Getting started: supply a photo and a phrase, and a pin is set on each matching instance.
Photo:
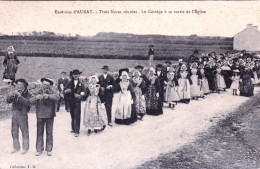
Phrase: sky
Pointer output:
(221, 18)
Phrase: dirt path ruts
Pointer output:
(233, 144)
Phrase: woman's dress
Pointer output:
(171, 92)
(246, 86)
(184, 89)
(220, 79)
(227, 73)
(204, 82)
(125, 109)
(210, 75)
(139, 102)
(235, 83)
(195, 87)
(11, 66)
(154, 104)
(95, 116)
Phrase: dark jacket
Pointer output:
(64, 81)
(106, 82)
(75, 90)
(45, 108)
(21, 104)
(150, 52)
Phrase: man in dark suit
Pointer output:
(62, 82)
(106, 82)
(45, 112)
(76, 92)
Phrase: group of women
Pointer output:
(145, 90)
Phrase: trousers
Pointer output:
(75, 113)
(22, 123)
(41, 122)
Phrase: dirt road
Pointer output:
(121, 146)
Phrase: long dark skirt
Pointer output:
(246, 87)
(130, 120)
(227, 77)
(154, 104)
(212, 82)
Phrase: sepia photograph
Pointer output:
(130, 85)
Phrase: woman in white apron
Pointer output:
(125, 110)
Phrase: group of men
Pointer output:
(47, 103)
(44, 102)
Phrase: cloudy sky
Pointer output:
(221, 18)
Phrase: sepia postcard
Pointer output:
(129, 84)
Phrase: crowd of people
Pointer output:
(130, 94)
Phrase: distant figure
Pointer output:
(11, 65)
(151, 55)
(62, 82)
(45, 112)
(20, 107)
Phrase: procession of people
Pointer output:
(130, 94)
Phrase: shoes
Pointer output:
(110, 124)
(14, 151)
(38, 153)
(24, 151)
(76, 134)
(49, 153)
(72, 131)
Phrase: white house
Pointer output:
(248, 39)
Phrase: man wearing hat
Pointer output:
(62, 82)
(45, 101)
(151, 55)
(106, 81)
(76, 91)
(20, 107)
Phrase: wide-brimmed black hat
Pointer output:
(76, 72)
(22, 81)
(151, 45)
(105, 67)
(63, 72)
(139, 67)
(159, 66)
(47, 80)
(123, 70)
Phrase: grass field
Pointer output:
(48, 58)
(33, 68)
(103, 48)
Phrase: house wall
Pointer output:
(248, 39)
